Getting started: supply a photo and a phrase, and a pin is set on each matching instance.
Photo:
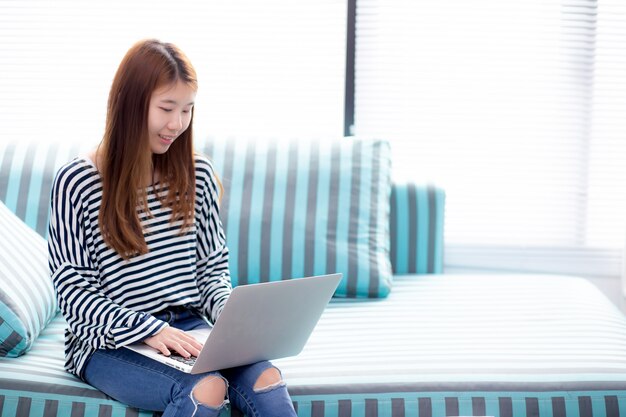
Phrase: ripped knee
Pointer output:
(269, 379)
(210, 391)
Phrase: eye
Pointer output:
(165, 109)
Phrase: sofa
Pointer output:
(400, 337)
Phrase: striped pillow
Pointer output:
(27, 170)
(27, 301)
(416, 219)
(302, 208)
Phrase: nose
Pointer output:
(175, 123)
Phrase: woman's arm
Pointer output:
(90, 314)
(213, 274)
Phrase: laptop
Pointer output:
(263, 321)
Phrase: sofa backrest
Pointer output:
(415, 211)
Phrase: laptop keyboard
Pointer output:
(189, 361)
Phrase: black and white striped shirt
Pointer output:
(107, 301)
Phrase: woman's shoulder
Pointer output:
(79, 166)
(204, 167)
(201, 160)
(76, 174)
(207, 180)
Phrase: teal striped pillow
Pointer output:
(27, 170)
(300, 208)
(27, 301)
(416, 219)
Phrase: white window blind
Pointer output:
(265, 68)
(514, 107)
(517, 109)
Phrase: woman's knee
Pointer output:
(210, 391)
(269, 378)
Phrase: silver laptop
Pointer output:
(259, 322)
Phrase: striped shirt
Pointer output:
(107, 301)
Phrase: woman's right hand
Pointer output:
(171, 338)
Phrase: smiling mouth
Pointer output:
(168, 138)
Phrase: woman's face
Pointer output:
(169, 115)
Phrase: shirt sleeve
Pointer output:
(212, 252)
(90, 315)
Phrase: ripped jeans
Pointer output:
(141, 382)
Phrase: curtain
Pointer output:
(265, 68)
(517, 109)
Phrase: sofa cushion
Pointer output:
(27, 301)
(27, 169)
(416, 218)
(416, 228)
(299, 208)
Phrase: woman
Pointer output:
(137, 251)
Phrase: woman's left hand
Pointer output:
(176, 339)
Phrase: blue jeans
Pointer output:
(140, 382)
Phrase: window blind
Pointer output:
(265, 68)
(516, 109)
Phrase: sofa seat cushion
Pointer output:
(36, 384)
(501, 345)
(27, 301)
(299, 208)
(496, 345)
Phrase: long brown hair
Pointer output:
(125, 149)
